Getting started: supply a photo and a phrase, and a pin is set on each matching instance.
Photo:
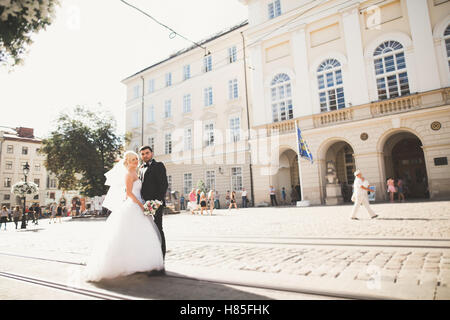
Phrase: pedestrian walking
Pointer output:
(16, 215)
(182, 200)
(233, 201)
(211, 199)
(401, 194)
(59, 212)
(391, 188)
(37, 214)
(53, 208)
(283, 195)
(192, 201)
(360, 197)
(227, 199)
(203, 204)
(3, 216)
(273, 197)
(293, 196)
(244, 198)
(216, 201)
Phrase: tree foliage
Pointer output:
(82, 148)
(19, 19)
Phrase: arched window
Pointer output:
(447, 43)
(331, 86)
(281, 98)
(390, 70)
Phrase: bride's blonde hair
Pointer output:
(127, 156)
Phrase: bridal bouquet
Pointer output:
(151, 206)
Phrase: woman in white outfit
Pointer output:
(360, 188)
(130, 241)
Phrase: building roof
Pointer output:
(182, 51)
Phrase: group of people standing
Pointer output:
(199, 201)
(394, 187)
(15, 215)
(295, 195)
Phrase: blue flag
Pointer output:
(303, 149)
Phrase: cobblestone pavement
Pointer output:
(407, 246)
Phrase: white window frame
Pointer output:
(281, 98)
(210, 179)
(37, 167)
(208, 97)
(330, 86)
(167, 109)
(235, 179)
(188, 138)
(207, 63)
(208, 133)
(53, 183)
(168, 143)
(397, 52)
(151, 85)
(151, 114)
(232, 54)
(187, 183)
(233, 89)
(187, 103)
(447, 44)
(136, 91)
(9, 165)
(274, 8)
(7, 182)
(168, 79)
(235, 131)
(169, 183)
(25, 151)
(186, 72)
(10, 149)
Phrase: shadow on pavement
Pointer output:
(169, 287)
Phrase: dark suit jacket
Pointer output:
(154, 185)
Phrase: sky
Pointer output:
(92, 45)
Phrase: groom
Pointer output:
(154, 187)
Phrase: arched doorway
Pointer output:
(404, 158)
(287, 176)
(337, 173)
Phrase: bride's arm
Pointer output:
(129, 184)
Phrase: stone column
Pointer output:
(422, 36)
(356, 84)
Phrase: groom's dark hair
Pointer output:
(145, 147)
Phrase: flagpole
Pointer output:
(301, 203)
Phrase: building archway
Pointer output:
(287, 176)
(404, 158)
(338, 159)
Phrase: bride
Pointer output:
(130, 242)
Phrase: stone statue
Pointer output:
(331, 173)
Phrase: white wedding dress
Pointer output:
(130, 243)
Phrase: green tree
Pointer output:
(19, 19)
(82, 148)
(202, 186)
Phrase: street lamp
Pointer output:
(26, 171)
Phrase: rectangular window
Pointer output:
(136, 91)
(7, 197)
(151, 143)
(37, 181)
(187, 183)
(207, 63)
(274, 8)
(236, 179)
(186, 72)
(168, 143)
(169, 184)
(10, 149)
(235, 128)
(210, 180)
(151, 85)
(7, 183)
(151, 114)
(208, 96)
(233, 92)
(9, 165)
(168, 79)
(168, 109)
(37, 167)
(52, 195)
(209, 134)
(53, 183)
(187, 103)
(232, 54)
(187, 139)
(24, 150)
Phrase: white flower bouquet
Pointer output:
(151, 206)
(24, 188)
